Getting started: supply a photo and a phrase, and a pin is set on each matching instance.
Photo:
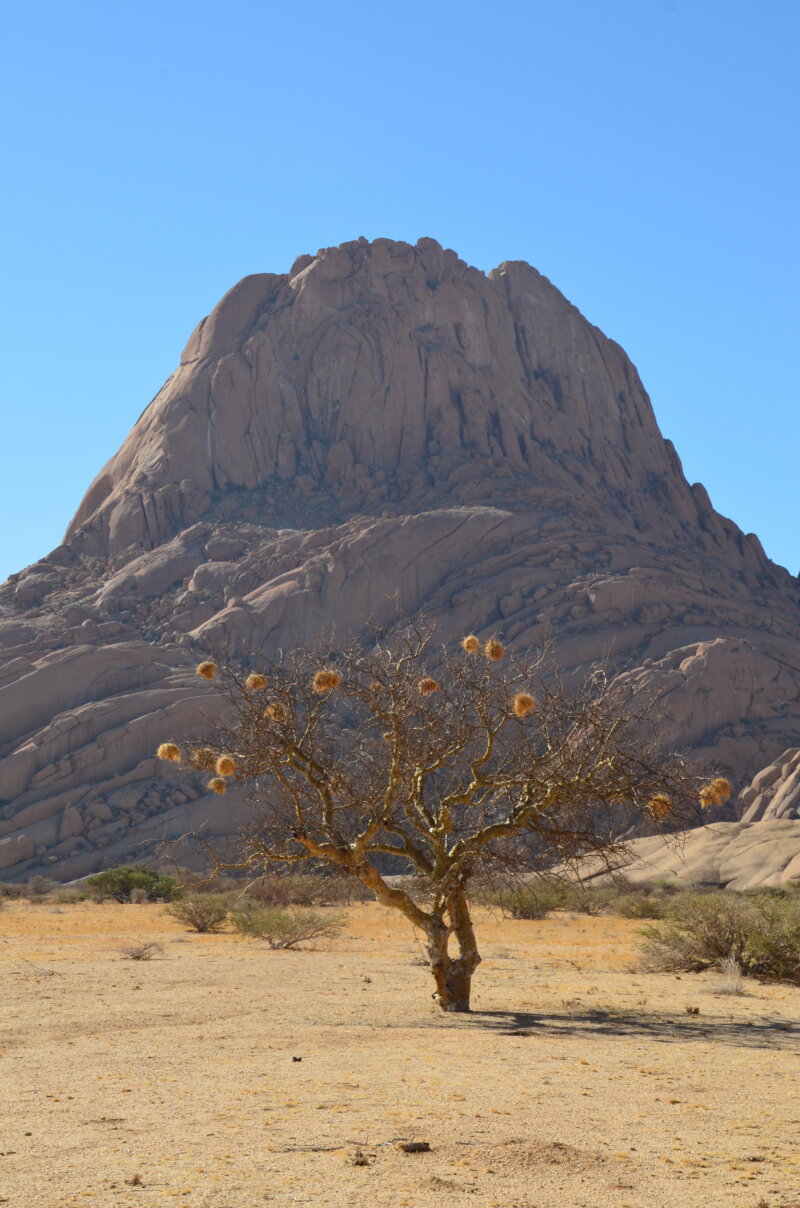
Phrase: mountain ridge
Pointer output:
(381, 421)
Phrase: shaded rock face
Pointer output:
(774, 792)
(381, 426)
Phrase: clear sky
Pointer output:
(642, 154)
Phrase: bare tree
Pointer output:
(451, 765)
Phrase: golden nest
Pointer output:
(218, 784)
(207, 670)
(470, 643)
(427, 685)
(325, 681)
(255, 682)
(203, 758)
(225, 765)
(715, 793)
(494, 649)
(659, 806)
(523, 704)
(168, 750)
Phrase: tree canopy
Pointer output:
(452, 765)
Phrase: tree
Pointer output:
(120, 883)
(451, 765)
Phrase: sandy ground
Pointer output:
(574, 1084)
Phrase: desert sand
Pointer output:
(575, 1083)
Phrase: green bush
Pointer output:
(200, 911)
(637, 905)
(533, 901)
(284, 928)
(119, 884)
(760, 932)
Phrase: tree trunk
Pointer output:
(453, 976)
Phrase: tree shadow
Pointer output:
(662, 1026)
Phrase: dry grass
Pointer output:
(574, 1082)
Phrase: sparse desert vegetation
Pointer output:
(285, 928)
(759, 932)
(202, 912)
(226, 1074)
(132, 883)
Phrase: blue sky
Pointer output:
(641, 153)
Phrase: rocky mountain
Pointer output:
(381, 424)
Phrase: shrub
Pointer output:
(637, 905)
(119, 884)
(665, 885)
(10, 890)
(588, 899)
(39, 887)
(761, 933)
(275, 890)
(142, 952)
(526, 901)
(69, 895)
(306, 889)
(284, 928)
(200, 912)
(731, 981)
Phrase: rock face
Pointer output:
(733, 855)
(381, 425)
(775, 791)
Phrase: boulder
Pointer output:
(774, 791)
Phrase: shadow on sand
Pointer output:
(762, 1032)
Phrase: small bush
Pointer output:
(69, 895)
(665, 885)
(284, 928)
(142, 952)
(588, 899)
(761, 933)
(10, 890)
(201, 912)
(525, 902)
(732, 980)
(637, 906)
(120, 883)
(39, 887)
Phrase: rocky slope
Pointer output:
(733, 855)
(382, 423)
